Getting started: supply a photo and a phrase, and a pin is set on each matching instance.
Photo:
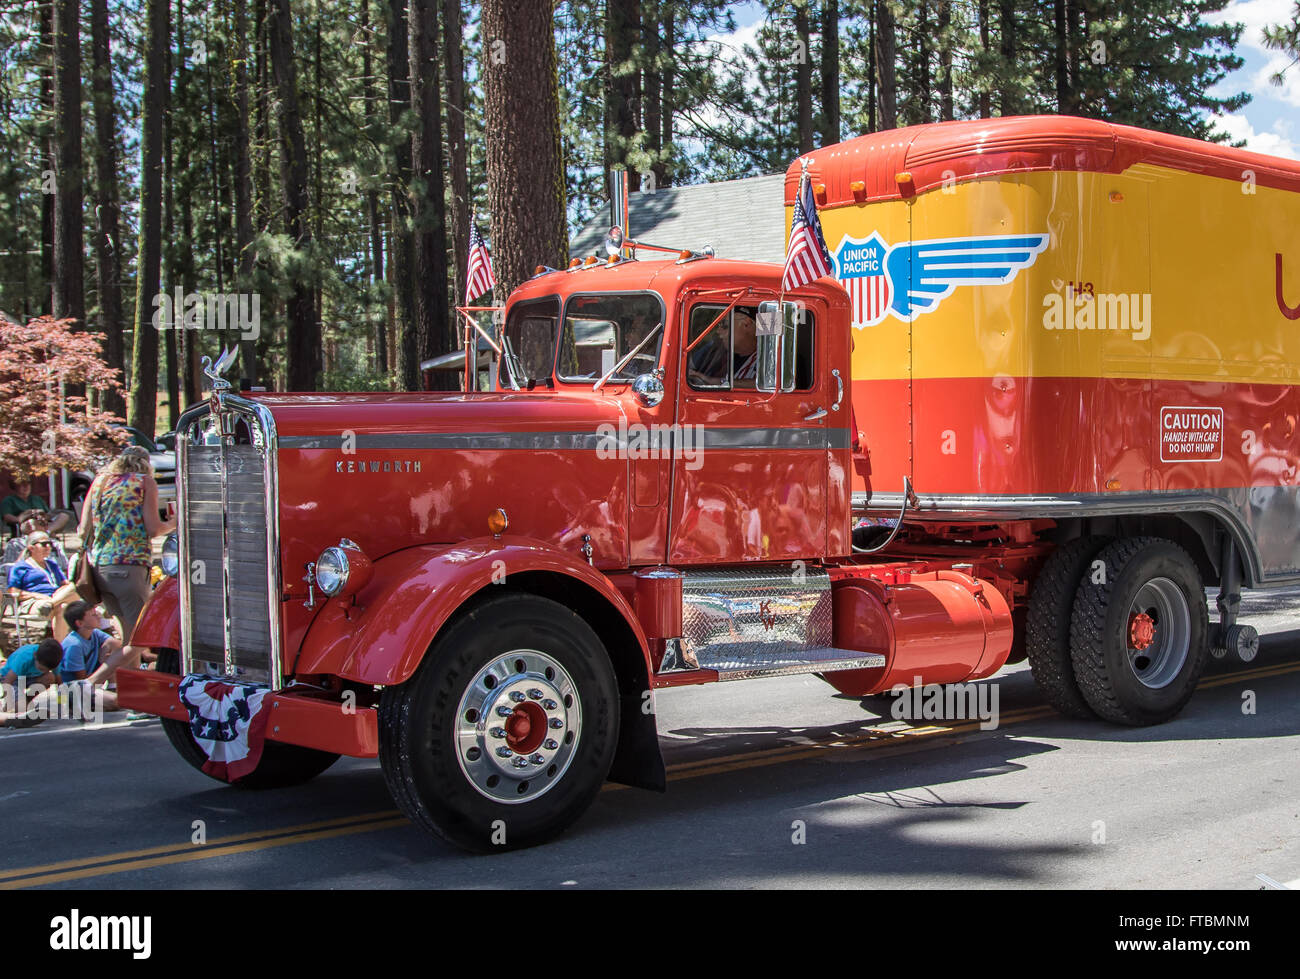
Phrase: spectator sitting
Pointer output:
(23, 505)
(34, 666)
(40, 584)
(90, 653)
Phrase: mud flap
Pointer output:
(638, 762)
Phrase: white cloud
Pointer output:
(1256, 15)
(1289, 90)
(1277, 141)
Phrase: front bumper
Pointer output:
(294, 719)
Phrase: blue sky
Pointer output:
(1270, 122)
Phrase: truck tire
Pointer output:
(506, 731)
(1139, 639)
(1047, 626)
(280, 766)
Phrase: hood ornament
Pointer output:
(213, 372)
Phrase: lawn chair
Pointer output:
(10, 600)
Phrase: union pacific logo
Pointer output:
(911, 279)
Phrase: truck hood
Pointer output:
(391, 471)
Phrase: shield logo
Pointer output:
(860, 267)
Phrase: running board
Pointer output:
(822, 659)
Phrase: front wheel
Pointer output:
(506, 732)
(1139, 635)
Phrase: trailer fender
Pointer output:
(159, 625)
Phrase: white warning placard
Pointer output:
(1191, 434)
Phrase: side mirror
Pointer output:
(775, 335)
(649, 389)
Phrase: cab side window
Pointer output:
(727, 358)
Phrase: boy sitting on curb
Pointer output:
(35, 666)
(90, 653)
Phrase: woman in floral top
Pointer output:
(122, 511)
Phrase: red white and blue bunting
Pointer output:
(228, 723)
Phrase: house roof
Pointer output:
(739, 218)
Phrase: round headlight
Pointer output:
(171, 556)
(332, 570)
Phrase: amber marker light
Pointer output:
(498, 522)
(591, 260)
(1116, 197)
(859, 189)
(573, 264)
(539, 270)
(906, 185)
(1112, 484)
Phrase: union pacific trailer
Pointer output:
(1046, 398)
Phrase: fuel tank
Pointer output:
(932, 627)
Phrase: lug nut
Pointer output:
(504, 752)
(550, 704)
(551, 744)
(520, 762)
(498, 732)
(539, 759)
(556, 722)
(534, 694)
(504, 711)
(516, 696)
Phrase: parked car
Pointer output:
(164, 471)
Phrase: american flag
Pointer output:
(478, 276)
(806, 258)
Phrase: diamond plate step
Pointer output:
(819, 659)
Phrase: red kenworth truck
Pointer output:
(1048, 396)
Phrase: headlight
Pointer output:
(171, 556)
(332, 571)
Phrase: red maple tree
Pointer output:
(44, 422)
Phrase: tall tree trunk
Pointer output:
(243, 185)
(945, 61)
(108, 241)
(653, 90)
(144, 357)
(453, 60)
(431, 333)
(1077, 50)
(623, 25)
(304, 346)
(923, 60)
(830, 72)
(1060, 56)
(872, 84)
(803, 77)
(379, 343)
(49, 54)
(182, 266)
(69, 263)
(174, 342)
(886, 69)
(1008, 100)
(985, 100)
(401, 246)
(667, 101)
(525, 172)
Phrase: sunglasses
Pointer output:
(40, 543)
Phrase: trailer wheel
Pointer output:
(505, 734)
(280, 766)
(1140, 637)
(1047, 626)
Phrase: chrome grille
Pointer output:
(229, 586)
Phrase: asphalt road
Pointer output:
(772, 783)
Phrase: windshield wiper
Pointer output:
(630, 354)
(512, 362)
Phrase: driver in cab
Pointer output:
(712, 365)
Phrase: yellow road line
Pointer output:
(879, 740)
(187, 845)
(202, 853)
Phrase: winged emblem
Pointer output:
(910, 279)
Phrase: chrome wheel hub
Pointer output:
(517, 726)
(1159, 633)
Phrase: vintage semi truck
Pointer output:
(1048, 397)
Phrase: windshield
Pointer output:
(599, 331)
(530, 341)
